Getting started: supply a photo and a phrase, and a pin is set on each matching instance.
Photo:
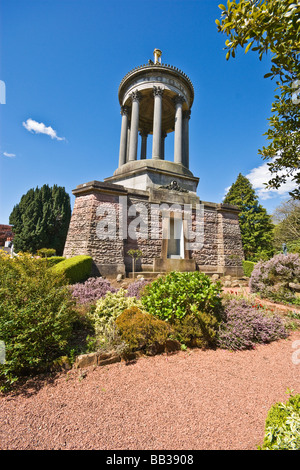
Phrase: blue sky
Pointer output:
(62, 62)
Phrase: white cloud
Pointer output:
(260, 175)
(10, 155)
(40, 128)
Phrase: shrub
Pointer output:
(244, 325)
(294, 246)
(282, 428)
(36, 316)
(91, 290)
(53, 260)
(74, 269)
(271, 278)
(136, 288)
(248, 267)
(46, 252)
(140, 330)
(174, 296)
(197, 330)
(107, 310)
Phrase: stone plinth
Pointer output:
(109, 220)
(144, 174)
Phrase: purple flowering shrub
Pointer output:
(91, 290)
(244, 325)
(135, 289)
(271, 278)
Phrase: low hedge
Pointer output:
(248, 267)
(53, 260)
(46, 252)
(75, 269)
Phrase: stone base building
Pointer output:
(151, 204)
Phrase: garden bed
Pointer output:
(194, 399)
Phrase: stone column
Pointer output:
(144, 136)
(157, 117)
(123, 140)
(128, 141)
(135, 97)
(185, 132)
(178, 129)
(162, 145)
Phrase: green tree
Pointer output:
(287, 225)
(272, 26)
(41, 219)
(255, 223)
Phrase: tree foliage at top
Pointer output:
(255, 223)
(272, 26)
(41, 219)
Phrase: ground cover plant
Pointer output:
(104, 315)
(36, 316)
(245, 324)
(91, 290)
(272, 279)
(282, 427)
(136, 288)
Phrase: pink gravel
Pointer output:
(191, 400)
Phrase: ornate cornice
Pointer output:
(151, 67)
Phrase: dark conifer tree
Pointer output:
(41, 219)
(255, 223)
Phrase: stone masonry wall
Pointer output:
(97, 214)
(144, 240)
(208, 254)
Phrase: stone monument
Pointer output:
(150, 203)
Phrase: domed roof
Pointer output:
(158, 72)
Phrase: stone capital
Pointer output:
(178, 99)
(186, 114)
(136, 96)
(157, 90)
(124, 110)
(144, 134)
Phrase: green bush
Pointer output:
(46, 252)
(75, 269)
(178, 294)
(294, 246)
(282, 428)
(107, 310)
(36, 316)
(140, 330)
(248, 267)
(199, 329)
(53, 260)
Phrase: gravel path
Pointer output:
(191, 400)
